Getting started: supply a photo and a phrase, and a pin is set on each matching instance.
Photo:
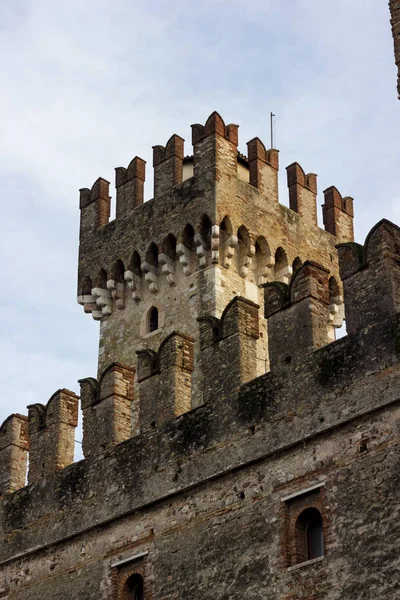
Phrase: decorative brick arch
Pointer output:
(312, 499)
(121, 574)
(129, 594)
(309, 533)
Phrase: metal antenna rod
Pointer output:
(272, 129)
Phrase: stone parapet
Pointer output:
(14, 446)
(263, 418)
(51, 429)
(107, 408)
(165, 380)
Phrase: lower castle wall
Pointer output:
(227, 538)
(214, 479)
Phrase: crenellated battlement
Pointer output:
(95, 206)
(129, 184)
(302, 192)
(165, 380)
(14, 446)
(214, 152)
(142, 448)
(168, 165)
(215, 229)
(370, 275)
(200, 290)
(338, 214)
(107, 408)
(263, 167)
(51, 429)
(232, 446)
(298, 316)
(215, 125)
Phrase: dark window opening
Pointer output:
(205, 231)
(315, 542)
(152, 255)
(188, 237)
(153, 319)
(309, 535)
(296, 264)
(134, 588)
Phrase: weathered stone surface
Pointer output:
(238, 231)
(196, 485)
(395, 21)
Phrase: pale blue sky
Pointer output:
(88, 85)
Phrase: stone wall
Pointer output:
(205, 504)
(227, 537)
(395, 22)
(199, 242)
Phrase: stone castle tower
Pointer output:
(231, 447)
(214, 230)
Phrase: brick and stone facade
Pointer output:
(395, 22)
(225, 427)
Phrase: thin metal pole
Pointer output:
(272, 129)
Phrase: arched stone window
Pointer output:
(150, 267)
(283, 270)
(202, 240)
(116, 283)
(262, 260)
(119, 271)
(168, 246)
(135, 264)
(245, 251)
(133, 276)
(153, 319)
(227, 242)
(168, 257)
(186, 249)
(188, 237)
(152, 256)
(296, 264)
(336, 310)
(309, 535)
(205, 230)
(133, 588)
